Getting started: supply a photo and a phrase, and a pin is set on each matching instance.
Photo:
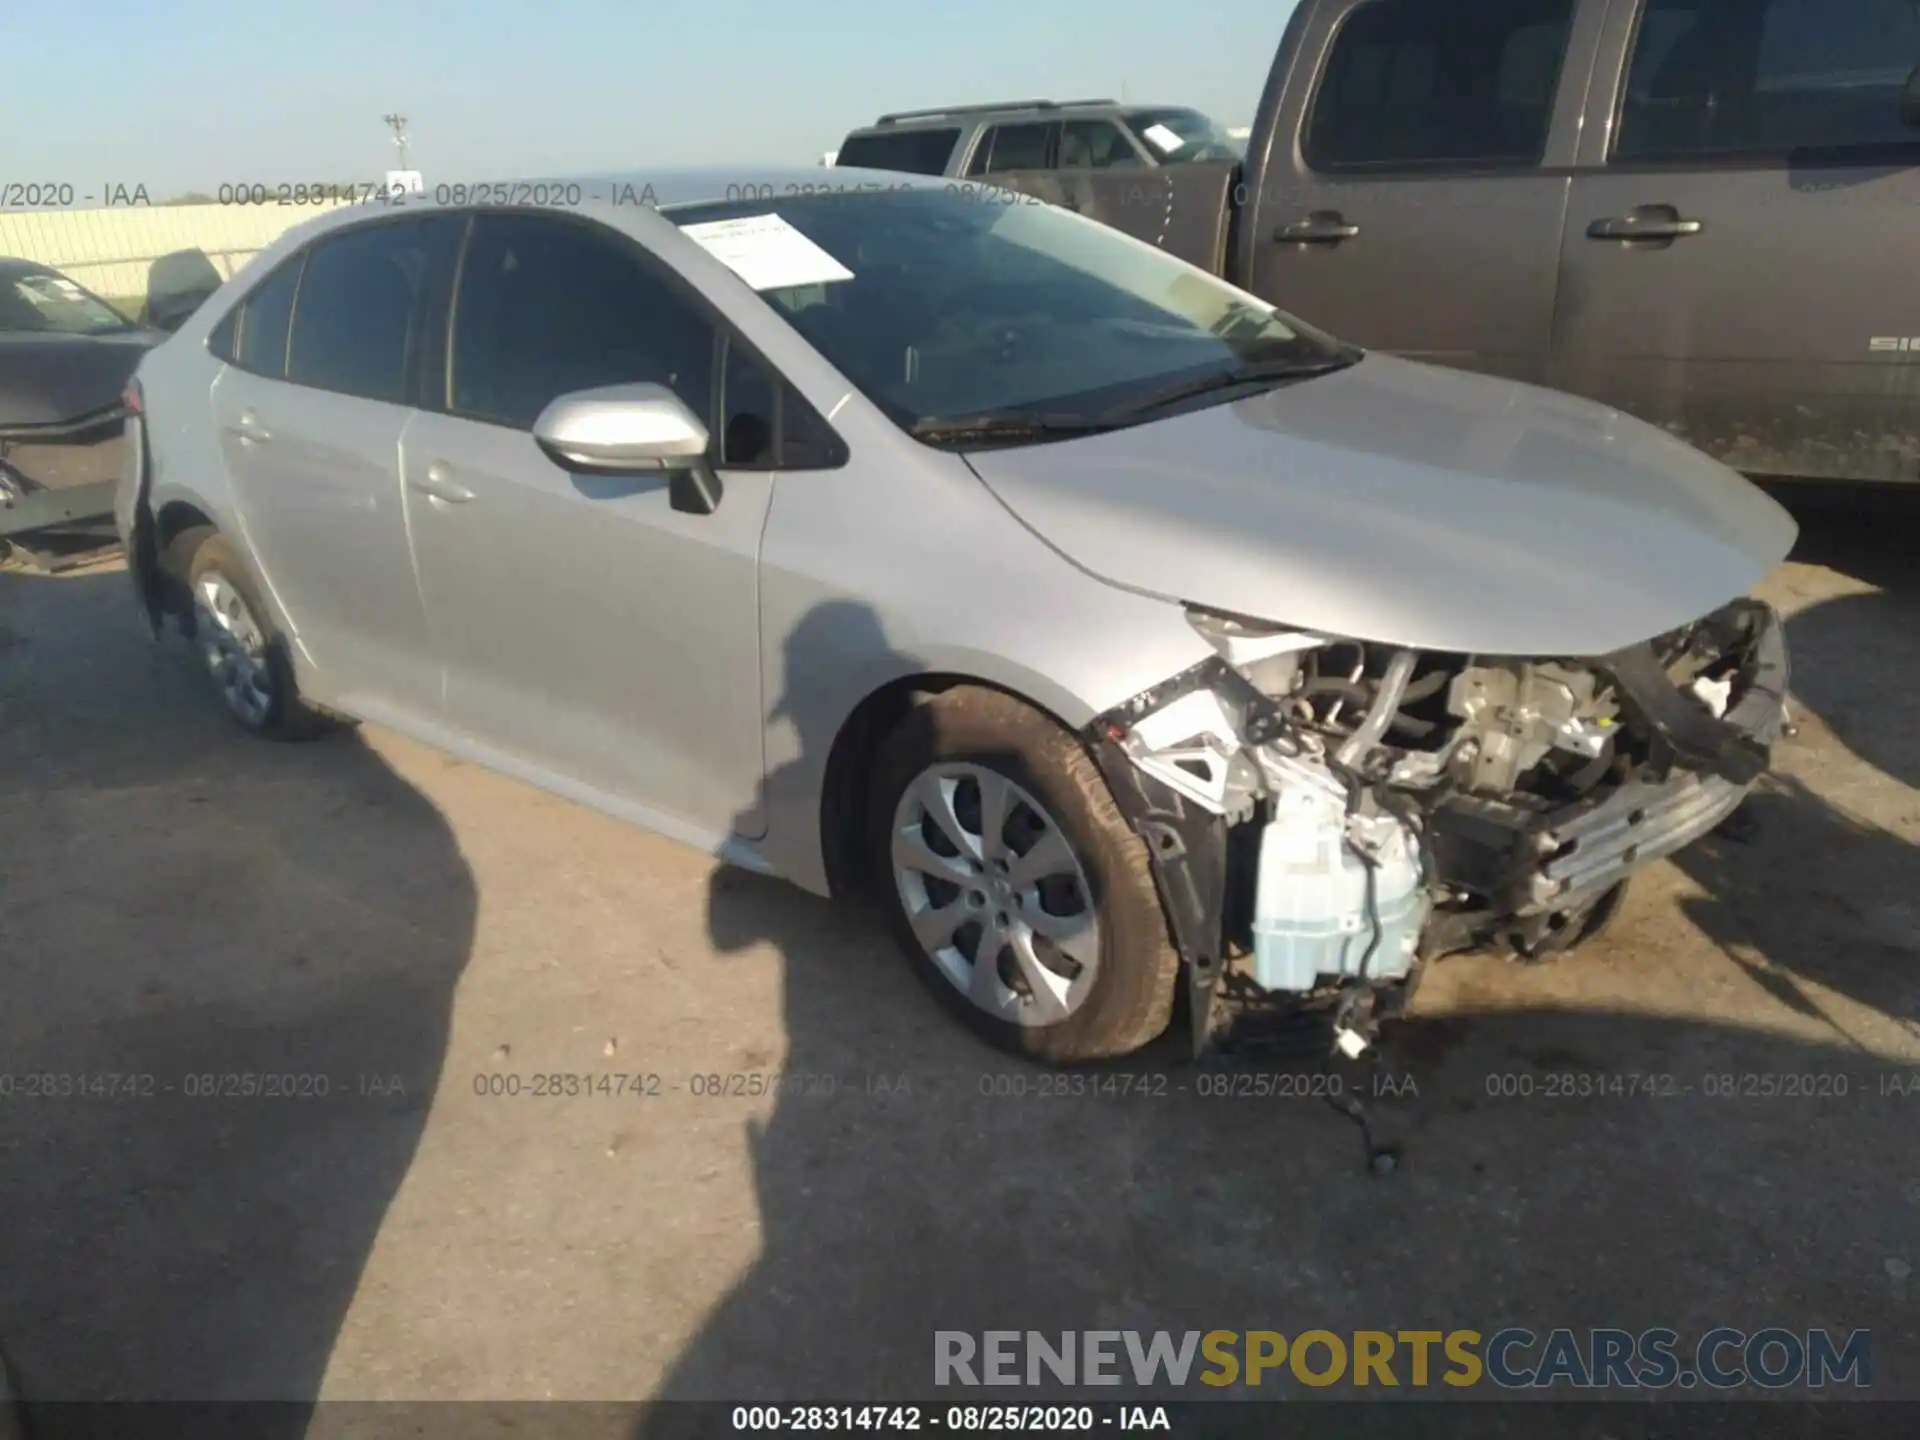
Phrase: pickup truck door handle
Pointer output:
(1650, 222)
(437, 484)
(1322, 227)
(249, 429)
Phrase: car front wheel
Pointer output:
(1017, 889)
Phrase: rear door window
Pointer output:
(355, 323)
(1413, 85)
(1767, 77)
(1014, 147)
(915, 152)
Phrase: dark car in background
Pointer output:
(65, 357)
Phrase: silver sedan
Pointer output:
(1114, 628)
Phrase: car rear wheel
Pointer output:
(245, 657)
(1016, 888)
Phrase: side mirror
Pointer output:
(632, 429)
(1910, 100)
(177, 285)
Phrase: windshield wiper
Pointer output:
(1011, 428)
(1267, 371)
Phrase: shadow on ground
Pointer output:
(167, 1231)
(1856, 657)
(1821, 897)
(1571, 1163)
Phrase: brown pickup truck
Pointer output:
(1703, 212)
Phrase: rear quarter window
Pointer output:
(221, 340)
(265, 319)
(915, 152)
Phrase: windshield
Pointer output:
(41, 301)
(1180, 137)
(964, 301)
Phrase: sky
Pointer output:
(192, 94)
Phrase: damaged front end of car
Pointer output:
(1326, 816)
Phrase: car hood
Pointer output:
(47, 379)
(1410, 505)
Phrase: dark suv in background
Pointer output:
(1026, 136)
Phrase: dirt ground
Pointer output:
(181, 903)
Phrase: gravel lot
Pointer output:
(178, 901)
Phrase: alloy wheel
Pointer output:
(995, 894)
(234, 645)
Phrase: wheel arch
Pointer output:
(844, 793)
(166, 574)
(176, 516)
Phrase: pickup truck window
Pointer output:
(1414, 85)
(1767, 77)
(915, 152)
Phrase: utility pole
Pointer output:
(398, 124)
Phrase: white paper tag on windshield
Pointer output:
(51, 285)
(1162, 139)
(766, 252)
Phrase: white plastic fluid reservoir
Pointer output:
(1311, 917)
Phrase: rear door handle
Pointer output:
(1322, 227)
(1653, 222)
(249, 429)
(437, 483)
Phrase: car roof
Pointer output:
(607, 193)
(11, 265)
(674, 189)
(1016, 110)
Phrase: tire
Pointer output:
(261, 697)
(1098, 992)
(1581, 931)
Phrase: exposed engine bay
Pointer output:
(1327, 816)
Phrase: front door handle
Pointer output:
(437, 483)
(1645, 222)
(1322, 227)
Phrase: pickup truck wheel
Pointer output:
(1019, 893)
(245, 657)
